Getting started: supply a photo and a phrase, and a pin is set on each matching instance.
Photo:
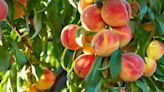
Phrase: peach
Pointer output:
(105, 42)
(32, 89)
(19, 12)
(116, 12)
(148, 26)
(83, 64)
(68, 36)
(155, 50)
(3, 10)
(46, 80)
(149, 67)
(87, 49)
(83, 4)
(124, 33)
(91, 19)
(132, 67)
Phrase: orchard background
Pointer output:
(33, 58)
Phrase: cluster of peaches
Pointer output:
(106, 29)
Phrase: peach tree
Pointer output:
(81, 45)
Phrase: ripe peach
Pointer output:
(132, 67)
(3, 10)
(155, 50)
(68, 37)
(105, 42)
(19, 12)
(148, 26)
(116, 12)
(46, 80)
(32, 89)
(83, 64)
(88, 50)
(83, 4)
(149, 67)
(124, 33)
(91, 19)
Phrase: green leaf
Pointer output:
(37, 24)
(159, 70)
(13, 76)
(132, 25)
(154, 5)
(151, 14)
(158, 78)
(4, 60)
(116, 89)
(141, 85)
(160, 20)
(10, 10)
(142, 8)
(37, 49)
(4, 79)
(37, 72)
(151, 84)
(115, 64)
(98, 86)
(133, 87)
(94, 75)
(21, 59)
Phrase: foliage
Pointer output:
(33, 41)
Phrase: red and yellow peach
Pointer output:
(124, 33)
(83, 64)
(155, 50)
(91, 18)
(149, 67)
(116, 13)
(46, 80)
(68, 36)
(132, 67)
(105, 42)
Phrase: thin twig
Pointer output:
(24, 40)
